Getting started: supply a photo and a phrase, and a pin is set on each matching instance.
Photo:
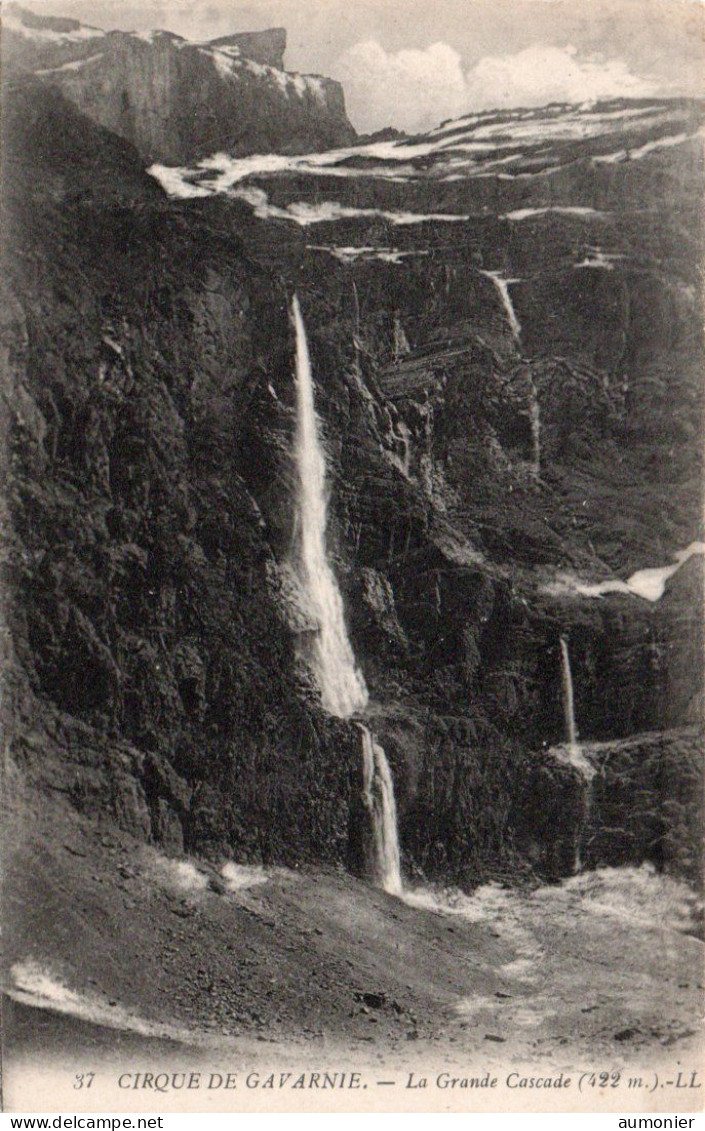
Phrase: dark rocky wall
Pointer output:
(177, 101)
(266, 47)
(149, 392)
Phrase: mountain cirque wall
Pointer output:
(149, 356)
(175, 100)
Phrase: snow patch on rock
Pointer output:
(178, 875)
(642, 150)
(35, 984)
(649, 584)
(77, 65)
(520, 214)
(239, 877)
(351, 254)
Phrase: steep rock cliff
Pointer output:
(176, 100)
(150, 387)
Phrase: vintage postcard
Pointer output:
(352, 582)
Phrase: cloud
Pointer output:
(416, 89)
(411, 89)
(541, 74)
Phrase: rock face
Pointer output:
(68, 155)
(175, 100)
(627, 801)
(480, 474)
(265, 47)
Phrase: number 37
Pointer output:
(84, 1080)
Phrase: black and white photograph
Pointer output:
(351, 461)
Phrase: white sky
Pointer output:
(411, 63)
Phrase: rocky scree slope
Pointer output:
(176, 100)
(149, 379)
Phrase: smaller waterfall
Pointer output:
(535, 421)
(357, 340)
(401, 342)
(576, 756)
(502, 286)
(384, 866)
(571, 731)
(400, 434)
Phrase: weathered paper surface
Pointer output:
(352, 393)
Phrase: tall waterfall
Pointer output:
(378, 797)
(342, 686)
(568, 697)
